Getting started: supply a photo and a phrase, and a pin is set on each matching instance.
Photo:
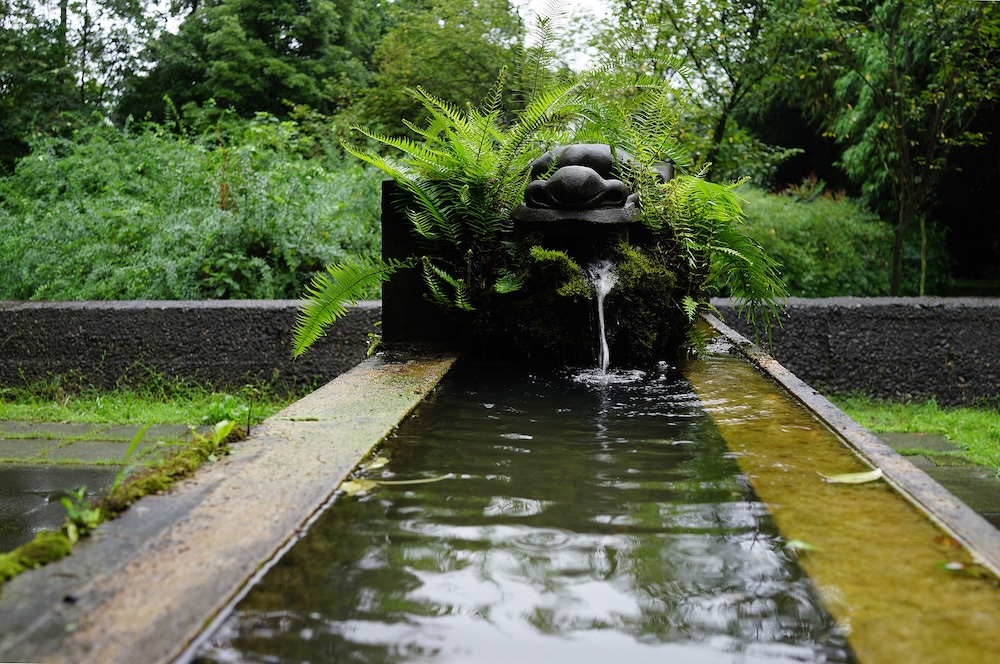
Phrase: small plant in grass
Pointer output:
(81, 516)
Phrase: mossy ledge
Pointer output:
(50, 546)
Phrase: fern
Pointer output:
(468, 167)
(437, 280)
(328, 294)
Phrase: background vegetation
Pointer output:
(191, 149)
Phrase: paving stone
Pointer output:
(60, 430)
(976, 486)
(127, 432)
(26, 450)
(922, 441)
(95, 451)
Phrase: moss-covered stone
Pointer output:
(647, 322)
(47, 547)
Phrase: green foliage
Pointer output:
(826, 246)
(830, 246)
(81, 516)
(733, 50)
(453, 47)
(70, 58)
(225, 407)
(256, 56)
(327, 294)
(142, 213)
(468, 168)
(904, 83)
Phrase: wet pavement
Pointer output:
(976, 486)
(41, 461)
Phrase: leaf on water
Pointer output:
(425, 480)
(357, 487)
(965, 569)
(800, 546)
(376, 463)
(854, 478)
(947, 542)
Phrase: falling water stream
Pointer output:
(603, 276)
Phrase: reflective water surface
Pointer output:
(582, 518)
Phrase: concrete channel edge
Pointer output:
(955, 517)
(146, 585)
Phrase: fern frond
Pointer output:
(328, 294)
(436, 280)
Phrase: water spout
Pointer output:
(602, 274)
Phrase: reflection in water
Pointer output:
(587, 519)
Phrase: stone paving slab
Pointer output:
(976, 486)
(94, 431)
(917, 441)
(103, 452)
(28, 451)
(51, 430)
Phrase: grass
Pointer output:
(155, 402)
(975, 430)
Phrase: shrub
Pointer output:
(140, 213)
(827, 246)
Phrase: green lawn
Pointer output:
(158, 402)
(975, 430)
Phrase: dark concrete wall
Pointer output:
(946, 348)
(222, 342)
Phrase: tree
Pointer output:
(256, 55)
(62, 56)
(735, 50)
(454, 47)
(908, 82)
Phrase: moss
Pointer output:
(47, 547)
(548, 320)
(647, 321)
(552, 266)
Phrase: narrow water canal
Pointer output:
(582, 520)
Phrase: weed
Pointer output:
(81, 516)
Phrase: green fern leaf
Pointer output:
(328, 294)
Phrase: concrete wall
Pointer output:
(946, 348)
(892, 347)
(224, 342)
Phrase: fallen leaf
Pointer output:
(376, 463)
(425, 480)
(357, 487)
(948, 542)
(799, 546)
(854, 478)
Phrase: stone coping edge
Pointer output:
(958, 519)
(145, 586)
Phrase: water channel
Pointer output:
(660, 516)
